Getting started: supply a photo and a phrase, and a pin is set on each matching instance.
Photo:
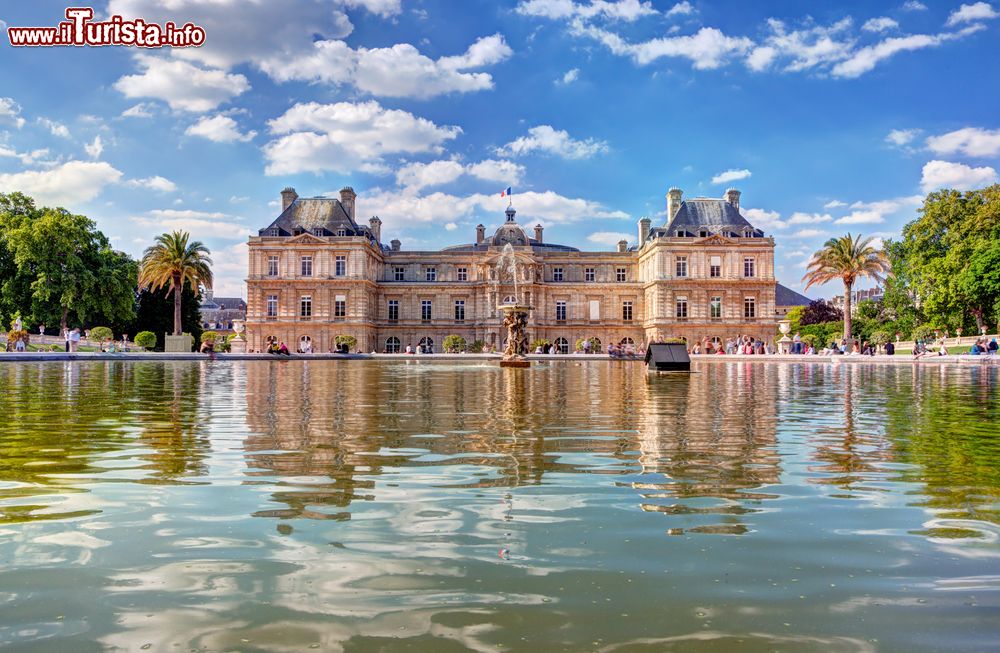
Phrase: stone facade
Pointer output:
(316, 273)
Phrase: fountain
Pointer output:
(515, 315)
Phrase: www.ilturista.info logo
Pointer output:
(80, 30)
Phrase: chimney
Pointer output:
(538, 233)
(644, 225)
(347, 197)
(376, 227)
(395, 244)
(287, 197)
(480, 234)
(674, 196)
(733, 197)
(622, 245)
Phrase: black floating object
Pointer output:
(667, 357)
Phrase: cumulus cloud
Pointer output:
(834, 204)
(497, 170)
(913, 5)
(229, 267)
(706, 49)
(94, 148)
(901, 137)
(219, 129)
(141, 110)
(972, 12)
(881, 24)
(416, 176)
(862, 217)
(730, 176)
(763, 219)
(10, 112)
(969, 141)
(55, 128)
(571, 76)
(809, 218)
(546, 139)
(943, 174)
(809, 233)
(67, 184)
(183, 86)
(29, 158)
(684, 8)
(346, 136)
(156, 182)
(608, 237)
(865, 59)
(623, 10)
(202, 223)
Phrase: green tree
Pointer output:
(454, 344)
(155, 308)
(348, 340)
(101, 334)
(146, 339)
(848, 259)
(173, 262)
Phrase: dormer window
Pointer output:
(318, 232)
(272, 232)
(748, 234)
(680, 233)
(341, 232)
(703, 233)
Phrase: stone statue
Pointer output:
(517, 341)
(507, 264)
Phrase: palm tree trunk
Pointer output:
(847, 313)
(177, 307)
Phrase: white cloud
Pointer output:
(834, 204)
(416, 176)
(970, 141)
(94, 148)
(862, 217)
(219, 129)
(545, 138)
(943, 174)
(55, 128)
(10, 112)
(881, 24)
(802, 49)
(344, 136)
(141, 110)
(763, 219)
(181, 85)
(809, 218)
(901, 137)
(624, 10)
(229, 268)
(30, 158)
(809, 233)
(200, 224)
(706, 49)
(397, 71)
(67, 184)
(156, 182)
(972, 12)
(865, 59)
(451, 226)
(608, 237)
(913, 5)
(731, 175)
(498, 170)
(571, 76)
(683, 8)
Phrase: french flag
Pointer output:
(505, 192)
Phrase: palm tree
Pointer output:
(173, 262)
(848, 259)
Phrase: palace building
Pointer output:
(316, 273)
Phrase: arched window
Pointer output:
(627, 341)
(392, 345)
(595, 343)
(426, 344)
(562, 345)
(305, 344)
(509, 299)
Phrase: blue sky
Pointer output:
(830, 117)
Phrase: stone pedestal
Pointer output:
(515, 362)
(238, 345)
(178, 344)
(785, 345)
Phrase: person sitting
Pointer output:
(943, 349)
(283, 349)
(975, 350)
(890, 349)
(992, 347)
(272, 347)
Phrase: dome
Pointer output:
(510, 232)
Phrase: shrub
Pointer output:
(539, 342)
(811, 340)
(209, 336)
(342, 340)
(880, 338)
(476, 347)
(923, 333)
(101, 334)
(595, 344)
(454, 344)
(145, 339)
(675, 341)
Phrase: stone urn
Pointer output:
(238, 345)
(784, 343)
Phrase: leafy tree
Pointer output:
(348, 340)
(453, 344)
(848, 259)
(209, 336)
(539, 342)
(101, 334)
(817, 312)
(146, 339)
(155, 308)
(868, 309)
(880, 338)
(477, 347)
(173, 262)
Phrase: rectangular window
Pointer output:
(431, 274)
(627, 311)
(340, 266)
(715, 307)
(398, 274)
(681, 308)
(620, 274)
(306, 306)
(682, 266)
(560, 311)
(557, 274)
(715, 267)
(459, 310)
(272, 266)
(749, 308)
(393, 310)
(426, 310)
(272, 306)
(463, 274)
(748, 267)
(307, 266)
(595, 310)
(589, 274)
(340, 306)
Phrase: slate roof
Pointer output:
(485, 245)
(784, 296)
(306, 214)
(715, 215)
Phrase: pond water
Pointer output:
(430, 506)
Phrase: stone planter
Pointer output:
(182, 344)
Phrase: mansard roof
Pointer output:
(714, 215)
(784, 296)
(307, 214)
(486, 244)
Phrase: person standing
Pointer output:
(65, 334)
(74, 340)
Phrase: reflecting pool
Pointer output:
(433, 506)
